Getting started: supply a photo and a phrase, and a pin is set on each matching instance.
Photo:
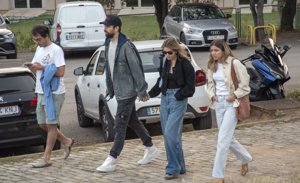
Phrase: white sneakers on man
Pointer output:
(109, 165)
(150, 154)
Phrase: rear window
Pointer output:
(151, 60)
(16, 83)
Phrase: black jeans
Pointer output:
(126, 116)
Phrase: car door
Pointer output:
(97, 86)
(86, 83)
(172, 23)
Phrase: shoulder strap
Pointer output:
(233, 75)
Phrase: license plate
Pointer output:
(153, 110)
(215, 37)
(74, 36)
(9, 110)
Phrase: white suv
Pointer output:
(90, 89)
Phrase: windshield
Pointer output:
(202, 12)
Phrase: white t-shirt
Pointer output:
(51, 54)
(219, 78)
(112, 55)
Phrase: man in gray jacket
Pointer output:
(125, 80)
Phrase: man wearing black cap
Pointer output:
(124, 79)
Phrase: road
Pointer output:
(92, 135)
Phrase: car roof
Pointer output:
(14, 70)
(77, 3)
(195, 4)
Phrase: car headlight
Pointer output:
(190, 30)
(9, 35)
(232, 29)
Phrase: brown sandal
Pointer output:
(244, 169)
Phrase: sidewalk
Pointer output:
(275, 146)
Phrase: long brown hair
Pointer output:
(221, 44)
(174, 45)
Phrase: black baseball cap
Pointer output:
(112, 20)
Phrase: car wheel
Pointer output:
(203, 122)
(107, 124)
(13, 56)
(182, 38)
(82, 119)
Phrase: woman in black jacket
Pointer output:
(176, 83)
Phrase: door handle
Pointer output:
(98, 85)
(96, 30)
(80, 26)
(88, 84)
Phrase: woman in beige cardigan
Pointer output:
(224, 97)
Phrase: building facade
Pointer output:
(49, 5)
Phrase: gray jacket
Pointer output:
(128, 75)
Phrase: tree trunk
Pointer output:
(258, 17)
(161, 11)
(288, 14)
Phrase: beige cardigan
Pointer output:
(242, 77)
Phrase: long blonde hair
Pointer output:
(221, 44)
(174, 45)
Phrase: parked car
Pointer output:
(76, 26)
(8, 45)
(90, 91)
(18, 124)
(198, 24)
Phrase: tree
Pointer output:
(161, 11)
(257, 7)
(287, 10)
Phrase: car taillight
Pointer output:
(200, 78)
(58, 30)
(203, 108)
(33, 102)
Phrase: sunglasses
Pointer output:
(168, 52)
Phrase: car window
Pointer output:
(151, 60)
(22, 82)
(90, 67)
(202, 12)
(100, 64)
(69, 17)
(95, 14)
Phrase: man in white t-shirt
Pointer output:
(47, 53)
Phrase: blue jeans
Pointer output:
(126, 116)
(227, 120)
(171, 116)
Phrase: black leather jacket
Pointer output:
(184, 74)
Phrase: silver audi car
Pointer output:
(198, 24)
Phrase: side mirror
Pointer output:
(177, 19)
(287, 47)
(78, 71)
(6, 20)
(228, 15)
(48, 22)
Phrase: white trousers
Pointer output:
(227, 120)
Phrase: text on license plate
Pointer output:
(9, 110)
(153, 110)
(75, 36)
(215, 37)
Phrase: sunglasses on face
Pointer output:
(168, 52)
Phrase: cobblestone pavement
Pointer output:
(274, 145)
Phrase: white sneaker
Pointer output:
(109, 165)
(150, 154)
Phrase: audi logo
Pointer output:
(215, 32)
